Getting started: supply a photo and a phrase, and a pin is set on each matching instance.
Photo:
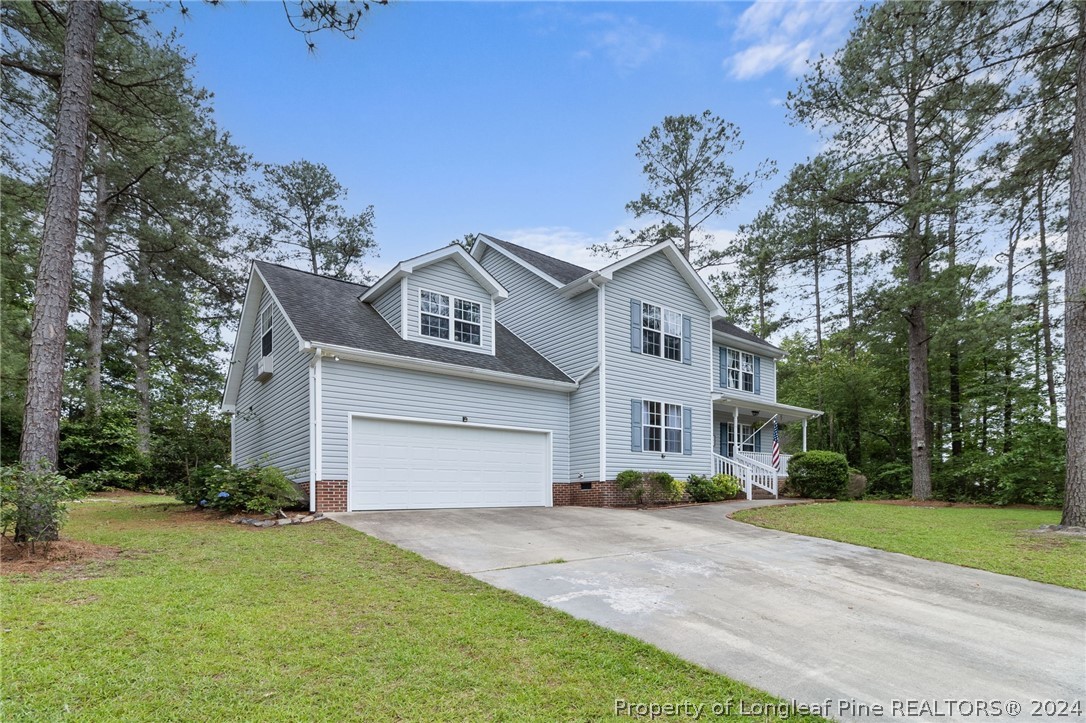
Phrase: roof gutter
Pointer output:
(425, 365)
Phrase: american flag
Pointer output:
(776, 446)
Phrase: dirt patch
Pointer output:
(17, 559)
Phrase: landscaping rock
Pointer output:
(857, 484)
(285, 521)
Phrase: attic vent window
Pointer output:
(266, 330)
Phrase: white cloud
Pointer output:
(626, 42)
(786, 35)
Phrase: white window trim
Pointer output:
(451, 319)
(267, 311)
(663, 426)
(740, 354)
(663, 312)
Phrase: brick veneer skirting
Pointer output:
(331, 495)
(598, 494)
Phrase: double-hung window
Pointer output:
(740, 370)
(662, 427)
(266, 332)
(445, 317)
(661, 332)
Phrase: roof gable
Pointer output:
(454, 252)
(681, 264)
(556, 271)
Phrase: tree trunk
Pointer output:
(142, 344)
(1074, 496)
(53, 287)
(956, 446)
(96, 295)
(818, 299)
(850, 307)
(916, 265)
(1046, 318)
(1008, 352)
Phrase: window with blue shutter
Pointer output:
(757, 375)
(688, 441)
(688, 347)
(635, 326)
(723, 367)
(635, 425)
(758, 441)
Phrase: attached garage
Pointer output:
(420, 464)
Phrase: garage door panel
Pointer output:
(404, 464)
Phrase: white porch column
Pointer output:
(735, 433)
(805, 434)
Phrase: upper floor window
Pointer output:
(445, 317)
(662, 427)
(266, 332)
(661, 332)
(740, 370)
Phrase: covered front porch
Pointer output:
(743, 439)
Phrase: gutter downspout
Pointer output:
(314, 426)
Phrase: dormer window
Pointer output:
(436, 321)
(266, 330)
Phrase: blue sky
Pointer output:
(515, 119)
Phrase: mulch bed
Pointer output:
(19, 559)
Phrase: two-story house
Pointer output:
(500, 377)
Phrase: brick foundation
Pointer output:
(597, 494)
(331, 495)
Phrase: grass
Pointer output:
(203, 620)
(998, 540)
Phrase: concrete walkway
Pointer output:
(806, 619)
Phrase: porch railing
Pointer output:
(766, 458)
(750, 473)
(761, 475)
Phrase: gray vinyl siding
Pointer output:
(584, 429)
(448, 277)
(563, 330)
(631, 375)
(768, 377)
(271, 422)
(388, 306)
(356, 387)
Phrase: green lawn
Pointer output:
(203, 620)
(987, 538)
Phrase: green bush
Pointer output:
(227, 488)
(106, 443)
(108, 479)
(712, 489)
(819, 474)
(25, 496)
(890, 480)
(650, 487)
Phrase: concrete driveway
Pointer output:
(806, 619)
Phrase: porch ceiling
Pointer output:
(765, 410)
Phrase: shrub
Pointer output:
(712, 489)
(108, 478)
(107, 443)
(26, 496)
(893, 479)
(228, 488)
(649, 487)
(819, 474)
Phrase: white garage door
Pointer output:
(416, 465)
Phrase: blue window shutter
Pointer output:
(635, 425)
(688, 443)
(687, 346)
(725, 440)
(723, 368)
(758, 441)
(635, 326)
(757, 375)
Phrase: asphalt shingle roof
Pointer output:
(727, 327)
(557, 269)
(326, 310)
